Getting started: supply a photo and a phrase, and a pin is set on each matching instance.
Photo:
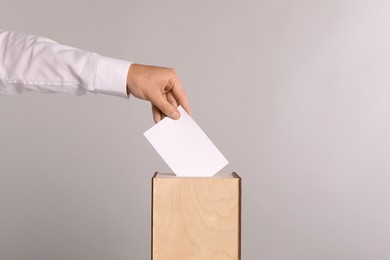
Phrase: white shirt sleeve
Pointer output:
(35, 63)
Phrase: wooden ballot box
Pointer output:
(196, 218)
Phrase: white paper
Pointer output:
(185, 147)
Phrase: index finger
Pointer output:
(180, 96)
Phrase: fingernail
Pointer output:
(175, 115)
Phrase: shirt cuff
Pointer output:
(111, 76)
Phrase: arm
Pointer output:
(30, 62)
(34, 63)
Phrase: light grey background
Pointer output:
(294, 93)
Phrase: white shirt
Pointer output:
(30, 62)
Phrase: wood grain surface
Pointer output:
(196, 218)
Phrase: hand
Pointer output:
(161, 86)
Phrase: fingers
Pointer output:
(167, 103)
(180, 96)
(156, 114)
(172, 99)
(176, 90)
(161, 102)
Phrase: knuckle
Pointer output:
(172, 72)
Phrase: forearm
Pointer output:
(29, 62)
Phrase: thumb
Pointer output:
(167, 108)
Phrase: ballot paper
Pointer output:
(185, 147)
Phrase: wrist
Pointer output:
(130, 78)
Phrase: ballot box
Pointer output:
(197, 218)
